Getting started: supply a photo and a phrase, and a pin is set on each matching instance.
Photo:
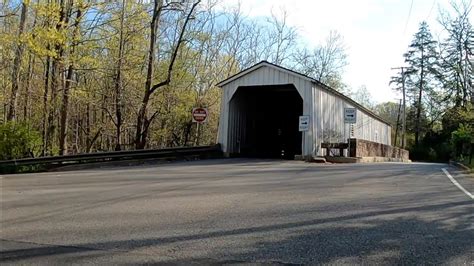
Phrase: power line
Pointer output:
(431, 10)
(398, 123)
(408, 18)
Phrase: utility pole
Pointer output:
(398, 122)
(404, 120)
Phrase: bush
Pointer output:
(461, 139)
(434, 147)
(422, 153)
(18, 140)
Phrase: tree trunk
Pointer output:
(64, 112)
(45, 106)
(52, 106)
(418, 107)
(26, 98)
(140, 135)
(15, 79)
(67, 87)
(466, 76)
(57, 73)
(119, 84)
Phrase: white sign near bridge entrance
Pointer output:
(350, 115)
(304, 123)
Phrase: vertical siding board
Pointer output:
(321, 117)
(229, 131)
(269, 76)
(264, 76)
(287, 78)
(313, 120)
(308, 101)
(333, 119)
(238, 125)
(246, 80)
(234, 126)
(222, 124)
(326, 107)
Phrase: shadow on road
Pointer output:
(372, 235)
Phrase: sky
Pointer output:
(376, 32)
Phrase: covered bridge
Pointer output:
(260, 112)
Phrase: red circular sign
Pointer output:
(199, 115)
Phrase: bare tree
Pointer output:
(143, 119)
(363, 96)
(458, 51)
(68, 83)
(282, 38)
(119, 83)
(57, 71)
(326, 62)
(15, 79)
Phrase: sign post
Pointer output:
(303, 127)
(199, 117)
(350, 117)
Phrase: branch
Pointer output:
(110, 115)
(148, 121)
(175, 52)
(8, 15)
(96, 136)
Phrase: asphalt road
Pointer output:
(239, 211)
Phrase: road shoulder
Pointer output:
(462, 179)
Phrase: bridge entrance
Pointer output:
(263, 121)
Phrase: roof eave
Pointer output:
(241, 73)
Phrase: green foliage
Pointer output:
(422, 59)
(464, 133)
(453, 141)
(438, 82)
(461, 139)
(18, 140)
(469, 162)
(434, 146)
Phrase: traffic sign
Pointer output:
(304, 123)
(350, 115)
(200, 115)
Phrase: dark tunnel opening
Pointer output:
(264, 122)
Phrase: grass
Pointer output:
(22, 169)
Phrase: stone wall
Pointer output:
(365, 148)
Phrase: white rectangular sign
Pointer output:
(350, 115)
(304, 123)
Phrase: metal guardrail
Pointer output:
(171, 153)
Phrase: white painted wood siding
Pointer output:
(262, 76)
(329, 121)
